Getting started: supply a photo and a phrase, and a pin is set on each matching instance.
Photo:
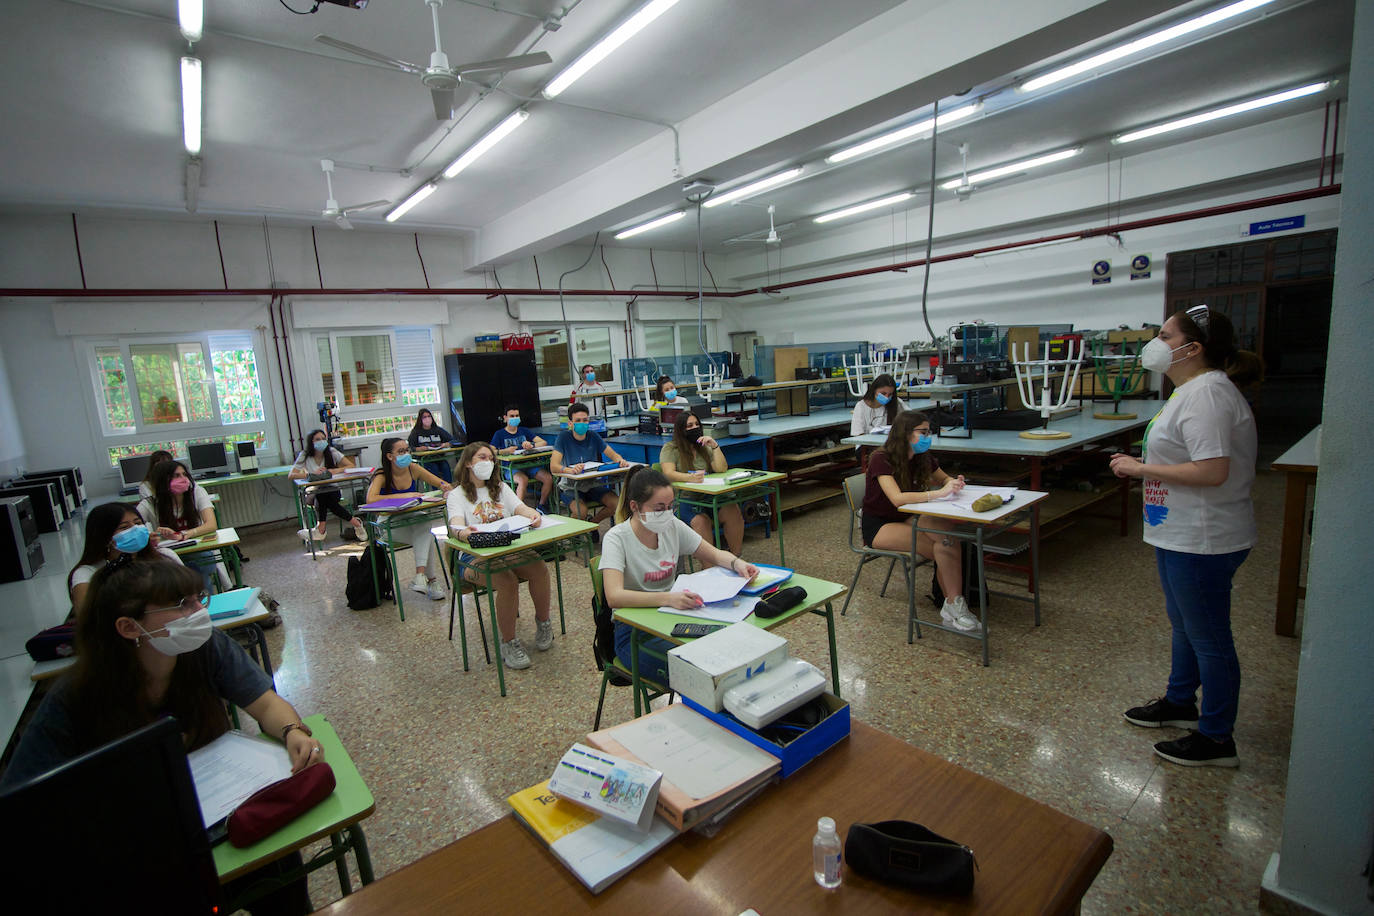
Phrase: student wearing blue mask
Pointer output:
(399, 474)
(901, 472)
(321, 461)
(591, 392)
(665, 395)
(511, 437)
(571, 451)
(112, 529)
(878, 407)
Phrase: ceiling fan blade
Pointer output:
(403, 66)
(343, 222)
(367, 206)
(443, 103)
(502, 64)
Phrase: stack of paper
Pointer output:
(719, 590)
(231, 768)
(511, 523)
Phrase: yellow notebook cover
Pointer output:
(548, 815)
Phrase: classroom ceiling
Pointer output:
(91, 115)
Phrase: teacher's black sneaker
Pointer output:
(1197, 750)
(1159, 712)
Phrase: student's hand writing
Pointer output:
(623, 463)
(750, 570)
(536, 520)
(526, 444)
(698, 476)
(577, 468)
(302, 750)
(684, 601)
(445, 487)
(1124, 465)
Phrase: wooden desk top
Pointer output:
(1304, 454)
(1031, 858)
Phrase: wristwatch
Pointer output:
(286, 730)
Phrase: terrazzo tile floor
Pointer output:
(441, 749)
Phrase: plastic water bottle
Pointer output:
(826, 854)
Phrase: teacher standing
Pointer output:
(1197, 469)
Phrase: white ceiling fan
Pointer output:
(772, 238)
(441, 79)
(332, 210)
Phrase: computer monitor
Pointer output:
(208, 459)
(133, 469)
(115, 830)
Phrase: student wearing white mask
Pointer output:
(509, 438)
(639, 559)
(146, 649)
(1196, 470)
(481, 496)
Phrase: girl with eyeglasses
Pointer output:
(398, 474)
(639, 559)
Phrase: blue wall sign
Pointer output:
(1102, 272)
(1277, 225)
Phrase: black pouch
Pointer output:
(492, 538)
(780, 602)
(911, 856)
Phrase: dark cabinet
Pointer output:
(481, 385)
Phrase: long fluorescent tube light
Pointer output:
(603, 48)
(651, 224)
(1143, 43)
(754, 187)
(864, 207)
(191, 18)
(406, 205)
(495, 136)
(1226, 112)
(903, 133)
(1012, 168)
(190, 104)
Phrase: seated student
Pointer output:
(426, 436)
(591, 392)
(639, 559)
(878, 407)
(397, 474)
(687, 458)
(112, 529)
(146, 649)
(145, 486)
(903, 471)
(320, 461)
(509, 438)
(571, 451)
(179, 510)
(665, 395)
(482, 496)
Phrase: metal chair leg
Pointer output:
(601, 701)
(852, 583)
(890, 566)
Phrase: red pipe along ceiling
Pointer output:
(1184, 216)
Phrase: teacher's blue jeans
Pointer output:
(1197, 597)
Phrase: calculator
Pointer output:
(694, 630)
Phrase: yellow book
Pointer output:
(549, 816)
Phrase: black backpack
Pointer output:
(359, 590)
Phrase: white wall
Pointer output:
(1044, 285)
(11, 434)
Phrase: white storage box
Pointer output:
(762, 699)
(707, 667)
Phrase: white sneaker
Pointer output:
(956, 614)
(419, 584)
(513, 655)
(543, 635)
(360, 531)
(435, 591)
(304, 534)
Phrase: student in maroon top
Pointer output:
(903, 471)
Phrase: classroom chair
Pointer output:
(614, 671)
(854, 496)
(455, 605)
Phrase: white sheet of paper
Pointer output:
(231, 768)
(731, 610)
(692, 752)
(713, 584)
(512, 523)
(709, 482)
(965, 498)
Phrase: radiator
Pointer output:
(240, 504)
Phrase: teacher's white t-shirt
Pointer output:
(1206, 417)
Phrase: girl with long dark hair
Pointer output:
(179, 509)
(686, 459)
(878, 407)
(399, 474)
(426, 436)
(112, 529)
(901, 472)
(145, 486)
(321, 461)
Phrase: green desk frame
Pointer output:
(349, 483)
(221, 553)
(646, 621)
(709, 500)
(381, 525)
(550, 544)
(339, 817)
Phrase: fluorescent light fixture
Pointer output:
(191, 18)
(190, 104)
(409, 203)
(651, 224)
(1012, 169)
(864, 207)
(1238, 108)
(754, 187)
(495, 136)
(1143, 43)
(903, 133)
(603, 48)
